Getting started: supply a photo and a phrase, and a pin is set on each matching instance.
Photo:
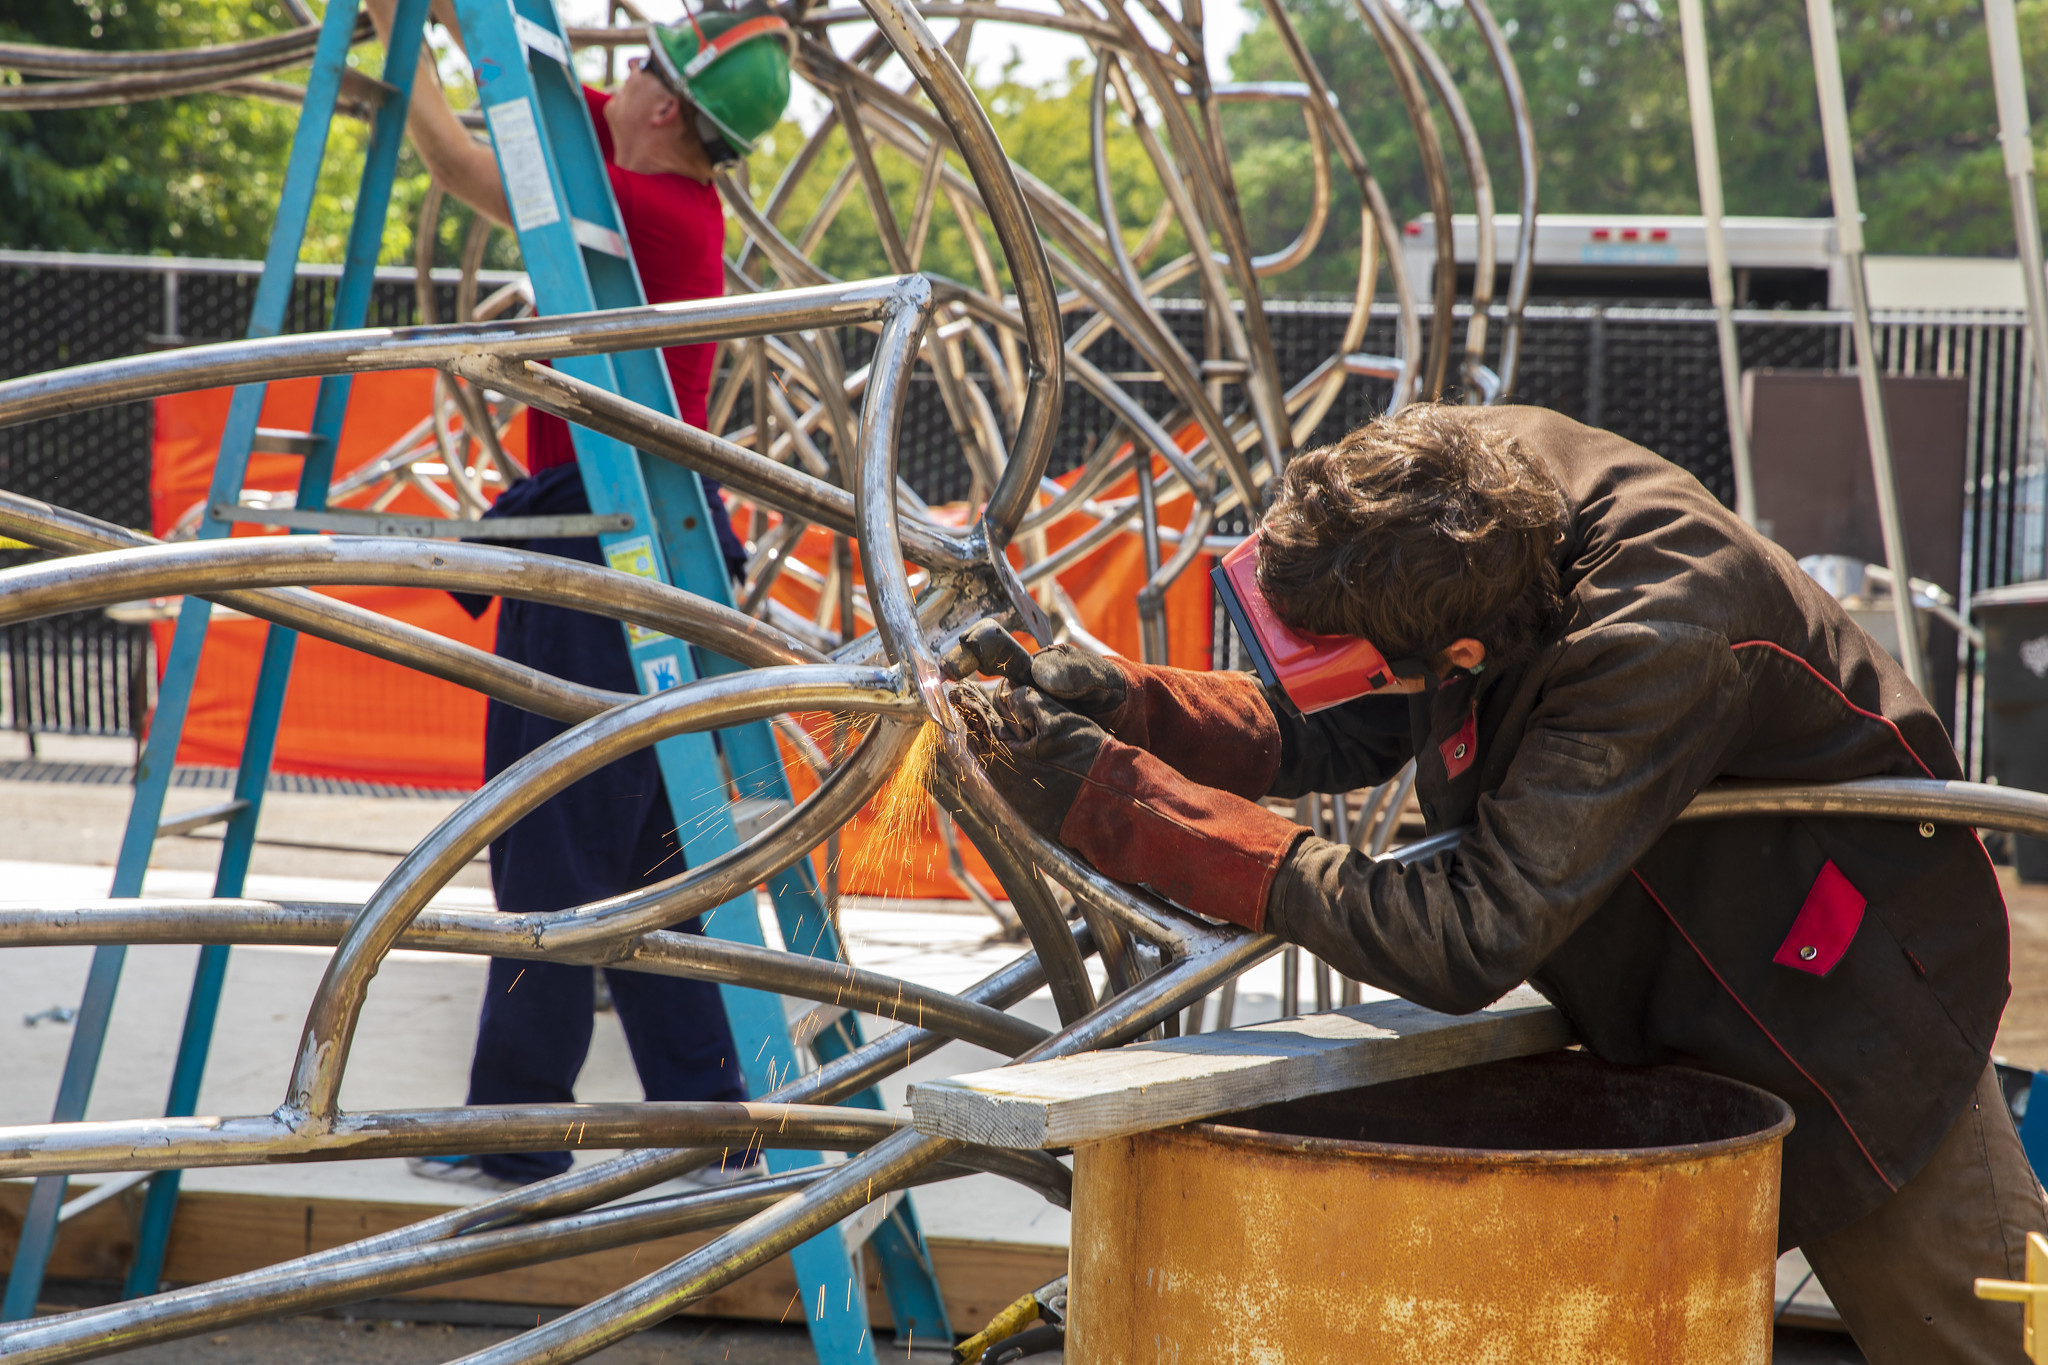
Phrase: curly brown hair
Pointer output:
(1424, 527)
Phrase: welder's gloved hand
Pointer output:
(1035, 752)
(1075, 678)
(1214, 727)
(1128, 813)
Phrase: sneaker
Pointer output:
(458, 1170)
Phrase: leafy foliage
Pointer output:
(1045, 130)
(201, 175)
(1606, 87)
(198, 175)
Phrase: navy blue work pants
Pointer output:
(608, 834)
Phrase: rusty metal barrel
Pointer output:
(1553, 1210)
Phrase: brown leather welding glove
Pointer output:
(1213, 727)
(1139, 820)
(1036, 753)
(1128, 813)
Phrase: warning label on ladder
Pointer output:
(528, 191)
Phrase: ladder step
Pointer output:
(597, 238)
(108, 1187)
(857, 1229)
(534, 38)
(352, 523)
(752, 814)
(201, 818)
(278, 441)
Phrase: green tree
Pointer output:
(197, 175)
(1044, 129)
(1607, 92)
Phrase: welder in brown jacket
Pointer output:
(1588, 638)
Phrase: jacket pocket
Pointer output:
(1826, 924)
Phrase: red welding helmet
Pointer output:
(1314, 672)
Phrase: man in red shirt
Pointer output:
(711, 86)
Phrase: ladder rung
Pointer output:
(863, 1224)
(201, 818)
(752, 814)
(278, 441)
(108, 1187)
(805, 1029)
(534, 38)
(353, 523)
(600, 239)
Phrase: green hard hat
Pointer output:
(733, 65)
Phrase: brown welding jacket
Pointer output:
(1857, 968)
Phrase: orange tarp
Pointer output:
(348, 715)
(345, 714)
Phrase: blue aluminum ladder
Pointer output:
(153, 771)
(576, 255)
(538, 117)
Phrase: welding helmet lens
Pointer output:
(1311, 672)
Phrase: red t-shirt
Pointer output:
(676, 227)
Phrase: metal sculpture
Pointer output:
(822, 449)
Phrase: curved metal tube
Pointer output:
(709, 703)
(1525, 230)
(208, 566)
(790, 491)
(571, 1192)
(1210, 181)
(925, 56)
(1298, 251)
(1381, 218)
(887, 1165)
(562, 335)
(41, 96)
(331, 619)
(840, 794)
(1880, 798)
(881, 552)
(209, 1307)
(1435, 176)
(488, 933)
(34, 59)
(172, 1144)
(1072, 993)
(1481, 182)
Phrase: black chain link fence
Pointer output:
(1649, 374)
(81, 673)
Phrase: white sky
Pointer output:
(1045, 55)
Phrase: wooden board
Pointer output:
(1098, 1095)
(217, 1234)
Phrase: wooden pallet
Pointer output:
(218, 1234)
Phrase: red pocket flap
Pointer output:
(1826, 924)
(1461, 749)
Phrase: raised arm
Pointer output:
(465, 167)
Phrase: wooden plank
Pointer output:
(218, 1233)
(1098, 1095)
